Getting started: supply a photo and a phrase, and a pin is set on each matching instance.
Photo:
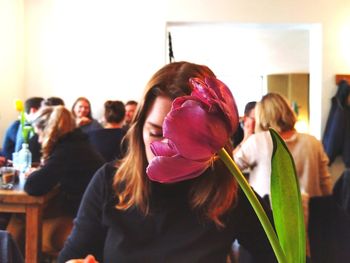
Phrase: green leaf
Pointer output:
(26, 130)
(286, 202)
(260, 212)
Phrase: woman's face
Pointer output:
(249, 121)
(81, 109)
(129, 112)
(152, 129)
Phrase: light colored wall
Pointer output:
(243, 55)
(11, 60)
(108, 49)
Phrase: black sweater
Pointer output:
(71, 164)
(108, 142)
(171, 233)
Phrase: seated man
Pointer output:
(130, 108)
(13, 139)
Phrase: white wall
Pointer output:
(109, 49)
(11, 60)
(242, 55)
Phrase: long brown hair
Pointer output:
(54, 122)
(131, 183)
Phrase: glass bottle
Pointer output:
(25, 158)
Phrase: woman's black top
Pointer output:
(172, 232)
(108, 142)
(71, 164)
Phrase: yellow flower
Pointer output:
(19, 105)
(26, 128)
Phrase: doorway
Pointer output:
(242, 55)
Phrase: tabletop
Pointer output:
(18, 195)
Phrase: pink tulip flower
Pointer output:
(195, 129)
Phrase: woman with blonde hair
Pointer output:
(274, 111)
(68, 162)
(67, 156)
(311, 161)
(50, 124)
(128, 216)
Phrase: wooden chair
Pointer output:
(55, 233)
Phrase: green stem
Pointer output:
(24, 131)
(260, 212)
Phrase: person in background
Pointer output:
(123, 210)
(311, 161)
(34, 145)
(81, 110)
(108, 141)
(68, 162)
(13, 139)
(246, 128)
(274, 111)
(53, 101)
(130, 108)
(247, 125)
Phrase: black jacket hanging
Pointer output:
(336, 140)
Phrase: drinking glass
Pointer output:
(8, 177)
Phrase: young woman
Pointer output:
(126, 217)
(81, 110)
(311, 161)
(274, 111)
(69, 162)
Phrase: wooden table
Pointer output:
(18, 201)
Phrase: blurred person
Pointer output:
(130, 108)
(108, 141)
(311, 161)
(81, 110)
(53, 101)
(247, 125)
(245, 128)
(274, 111)
(13, 139)
(68, 162)
(124, 210)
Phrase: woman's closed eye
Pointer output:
(156, 134)
(154, 130)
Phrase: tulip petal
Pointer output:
(195, 129)
(215, 92)
(163, 148)
(175, 169)
(196, 133)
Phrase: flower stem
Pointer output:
(260, 212)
